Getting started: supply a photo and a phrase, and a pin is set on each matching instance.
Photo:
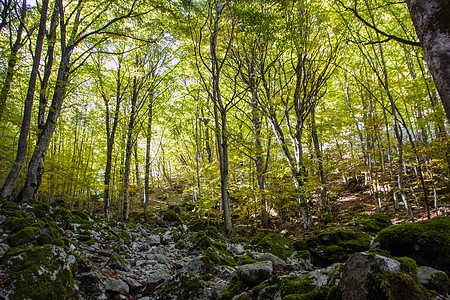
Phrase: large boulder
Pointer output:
(434, 279)
(369, 276)
(44, 272)
(277, 245)
(427, 242)
(168, 218)
(256, 272)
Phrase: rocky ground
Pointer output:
(49, 252)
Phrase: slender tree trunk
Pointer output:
(318, 153)
(24, 130)
(148, 153)
(12, 60)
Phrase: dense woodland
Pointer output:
(261, 108)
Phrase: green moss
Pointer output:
(180, 244)
(393, 285)
(277, 245)
(201, 240)
(440, 283)
(318, 293)
(81, 214)
(408, 266)
(24, 236)
(169, 215)
(16, 224)
(235, 287)
(374, 223)
(305, 254)
(183, 285)
(427, 242)
(246, 260)
(45, 272)
(214, 257)
(175, 208)
(41, 210)
(334, 293)
(296, 286)
(44, 239)
(300, 245)
(84, 237)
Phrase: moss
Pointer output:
(393, 286)
(41, 210)
(84, 237)
(374, 223)
(16, 224)
(201, 240)
(214, 257)
(334, 293)
(175, 208)
(81, 215)
(427, 242)
(277, 245)
(180, 244)
(246, 260)
(318, 293)
(408, 266)
(296, 286)
(183, 285)
(45, 272)
(44, 239)
(59, 242)
(440, 283)
(305, 254)
(85, 227)
(24, 236)
(300, 245)
(235, 287)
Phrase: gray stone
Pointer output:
(116, 262)
(356, 270)
(295, 262)
(183, 285)
(278, 263)
(196, 267)
(425, 275)
(133, 283)
(117, 286)
(154, 240)
(223, 271)
(159, 258)
(256, 272)
(236, 249)
(329, 276)
(154, 279)
(91, 284)
(4, 248)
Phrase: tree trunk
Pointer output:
(148, 154)
(25, 128)
(430, 18)
(12, 61)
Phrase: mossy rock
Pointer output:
(267, 289)
(277, 245)
(246, 260)
(24, 236)
(374, 223)
(176, 208)
(318, 293)
(296, 286)
(235, 287)
(408, 266)
(168, 218)
(16, 224)
(200, 240)
(44, 239)
(440, 283)
(215, 257)
(183, 285)
(41, 209)
(337, 246)
(427, 242)
(11, 209)
(45, 272)
(393, 286)
(300, 245)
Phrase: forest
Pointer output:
(282, 115)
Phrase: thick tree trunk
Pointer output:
(431, 20)
(25, 128)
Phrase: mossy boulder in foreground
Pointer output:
(277, 245)
(45, 272)
(427, 242)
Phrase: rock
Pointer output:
(159, 258)
(374, 223)
(236, 249)
(116, 262)
(44, 272)
(427, 242)
(117, 287)
(278, 263)
(329, 276)
(277, 245)
(300, 260)
(154, 240)
(4, 248)
(132, 283)
(223, 271)
(256, 272)
(168, 218)
(183, 285)
(434, 279)
(378, 274)
(196, 267)
(90, 284)
(218, 287)
(153, 280)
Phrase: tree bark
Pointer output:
(431, 20)
(25, 128)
